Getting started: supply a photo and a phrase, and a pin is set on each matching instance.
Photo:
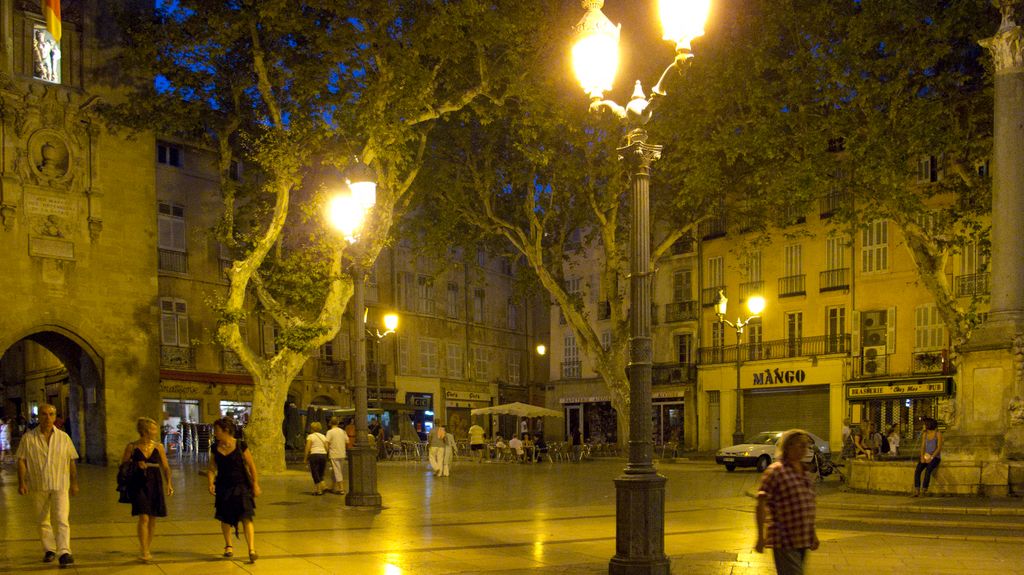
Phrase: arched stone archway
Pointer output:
(85, 395)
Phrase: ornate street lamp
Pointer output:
(347, 213)
(640, 490)
(756, 305)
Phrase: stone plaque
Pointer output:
(39, 205)
(51, 248)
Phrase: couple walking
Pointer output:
(442, 449)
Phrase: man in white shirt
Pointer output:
(46, 469)
(516, 445)
(337, 439)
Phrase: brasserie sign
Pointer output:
(897, 390)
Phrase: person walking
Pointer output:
(337, 441)
(786, 505)
(148, 483)
(476, 442)
(234, 484)
(450, 449)
(5, 439)
(316, 456)
(931, 446)
(436, 445)
(46, 469)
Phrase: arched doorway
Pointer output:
(54, 365)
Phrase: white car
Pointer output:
(759, 451)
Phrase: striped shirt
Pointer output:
(789, 496)
(49, 465)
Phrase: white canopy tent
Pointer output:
(518, 409)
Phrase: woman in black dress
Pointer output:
(149, 481)
(234, 485)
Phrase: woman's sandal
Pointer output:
(229, 551)
(253, 557)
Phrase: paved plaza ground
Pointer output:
(509, 518)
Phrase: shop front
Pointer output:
(668, 418)
(900, 402)
(457, 407)
(593, 418)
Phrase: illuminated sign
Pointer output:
(898, 389)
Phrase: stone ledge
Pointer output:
(950, 478)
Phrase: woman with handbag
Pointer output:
(234, 484)
(931, 445)
(147, 479)
(315, 456)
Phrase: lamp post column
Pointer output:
(737, 433)
(640, 491)
(362, 459)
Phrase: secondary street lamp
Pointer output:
(640, 490)
(390, 325)
(347, 213)
(756, 305)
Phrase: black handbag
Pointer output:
(124, 477)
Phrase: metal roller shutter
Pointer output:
(782, 409)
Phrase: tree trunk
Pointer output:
(264, 432)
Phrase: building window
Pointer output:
(425, 295)
(929, 169)
(506, 266)
(403, 354)
(716, 272)
(835, 253)
(572, 286)
(45, 55)
(481, 257)
(478, 306)
(171, 246)
(454, 361)
(794, 260)
(168, 154)
(684, 348)
(717, 335)
(513, 316)
(570, 358)
(405, 293)
(682, 288)
(452, 301)
(929, 330)
(875, 247)
(327, 353)
(835, 329)
(606, 340)
(428, 357)
(174, 322)
(795, 332)
(480, 363)
(514, 367)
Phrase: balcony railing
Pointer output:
(792, 285)
(776, 349)
(683, 245)
(748, 289)
(836, 279)
(571, 370)
(932, 362)
(230, 363)
(331, 369)
(604, 310)
(709, 295)
(172, 261)
(682, 311)
(971, 285)
(712, 228)
(671, 373)
(176, 357)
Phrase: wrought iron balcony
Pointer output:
(792, 285)
(971, 285)
(932, 362)
(331, 369)
(172, 261)
(709, 295)
(712, 228)
(748, 289)
(831, 203)
(779, 348)
(672, 373)
(230, 363)
(682, 311)
(837, 279)
(175, 357)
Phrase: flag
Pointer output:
(51, 10)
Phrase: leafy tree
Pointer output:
(292, 89)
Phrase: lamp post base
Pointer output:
(738, 438)
(362, 477)
(639, 526)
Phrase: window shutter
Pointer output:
(855, 332)
(168, 329)
(183, 331)
(268, 338)
(890, 331)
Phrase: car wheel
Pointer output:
(730, 467)
(763, 462)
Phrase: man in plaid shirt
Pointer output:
(785, 505)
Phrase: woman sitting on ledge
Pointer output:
(931, 445)
(859, 444)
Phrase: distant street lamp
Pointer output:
(756, 305)
(390, 325)
(640, 490)
(541, 349)
(347, 213)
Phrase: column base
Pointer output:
(639, 526)
(362, 477)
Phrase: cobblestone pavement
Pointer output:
(511, 519)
